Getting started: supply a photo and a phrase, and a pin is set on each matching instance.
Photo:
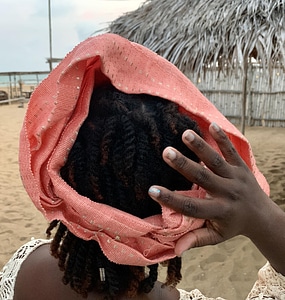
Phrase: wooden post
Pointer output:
(50, 36)
(249, 112)
(244, 92)
(10, 86)
(249, 94)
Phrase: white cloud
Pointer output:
(24, 28)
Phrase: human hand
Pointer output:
(235, 204)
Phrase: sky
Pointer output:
(24, 28)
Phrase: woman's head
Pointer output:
(55, 114)
(116, 157)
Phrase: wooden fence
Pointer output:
(21, 84)
(263, 108)
(265, 101)
(21, 101)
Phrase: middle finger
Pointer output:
(211, 158)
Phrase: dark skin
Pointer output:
(236, 204)
(40, 278)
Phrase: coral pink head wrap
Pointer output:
(54, 115)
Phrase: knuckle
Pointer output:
(201, 176)
(217, 161)
(231, 151)
(167, 198)
(234, 195)
(181, 162)
(188, 208)
(222, 136)
(200, 145)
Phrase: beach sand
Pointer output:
(228, 270)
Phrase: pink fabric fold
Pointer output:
(54, 115)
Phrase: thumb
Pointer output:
(197, 238)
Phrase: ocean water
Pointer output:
(26, 79)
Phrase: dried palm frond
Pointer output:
(195, 35)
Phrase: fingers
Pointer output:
(192, 207)
(209, 156)
(195, 172)
(192, 171)
(224, 168)
(212, 159)
(225, 145)
(197, 238)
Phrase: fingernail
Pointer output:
(189, 136)
(215, 126)
(170, 154)
(154, 191)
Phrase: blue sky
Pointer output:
(24, 29)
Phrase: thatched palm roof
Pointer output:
(195, 35)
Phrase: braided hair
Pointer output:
(114, 160)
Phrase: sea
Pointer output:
(14, 79)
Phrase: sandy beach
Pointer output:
(228, 270)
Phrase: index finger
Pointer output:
(188, 206)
